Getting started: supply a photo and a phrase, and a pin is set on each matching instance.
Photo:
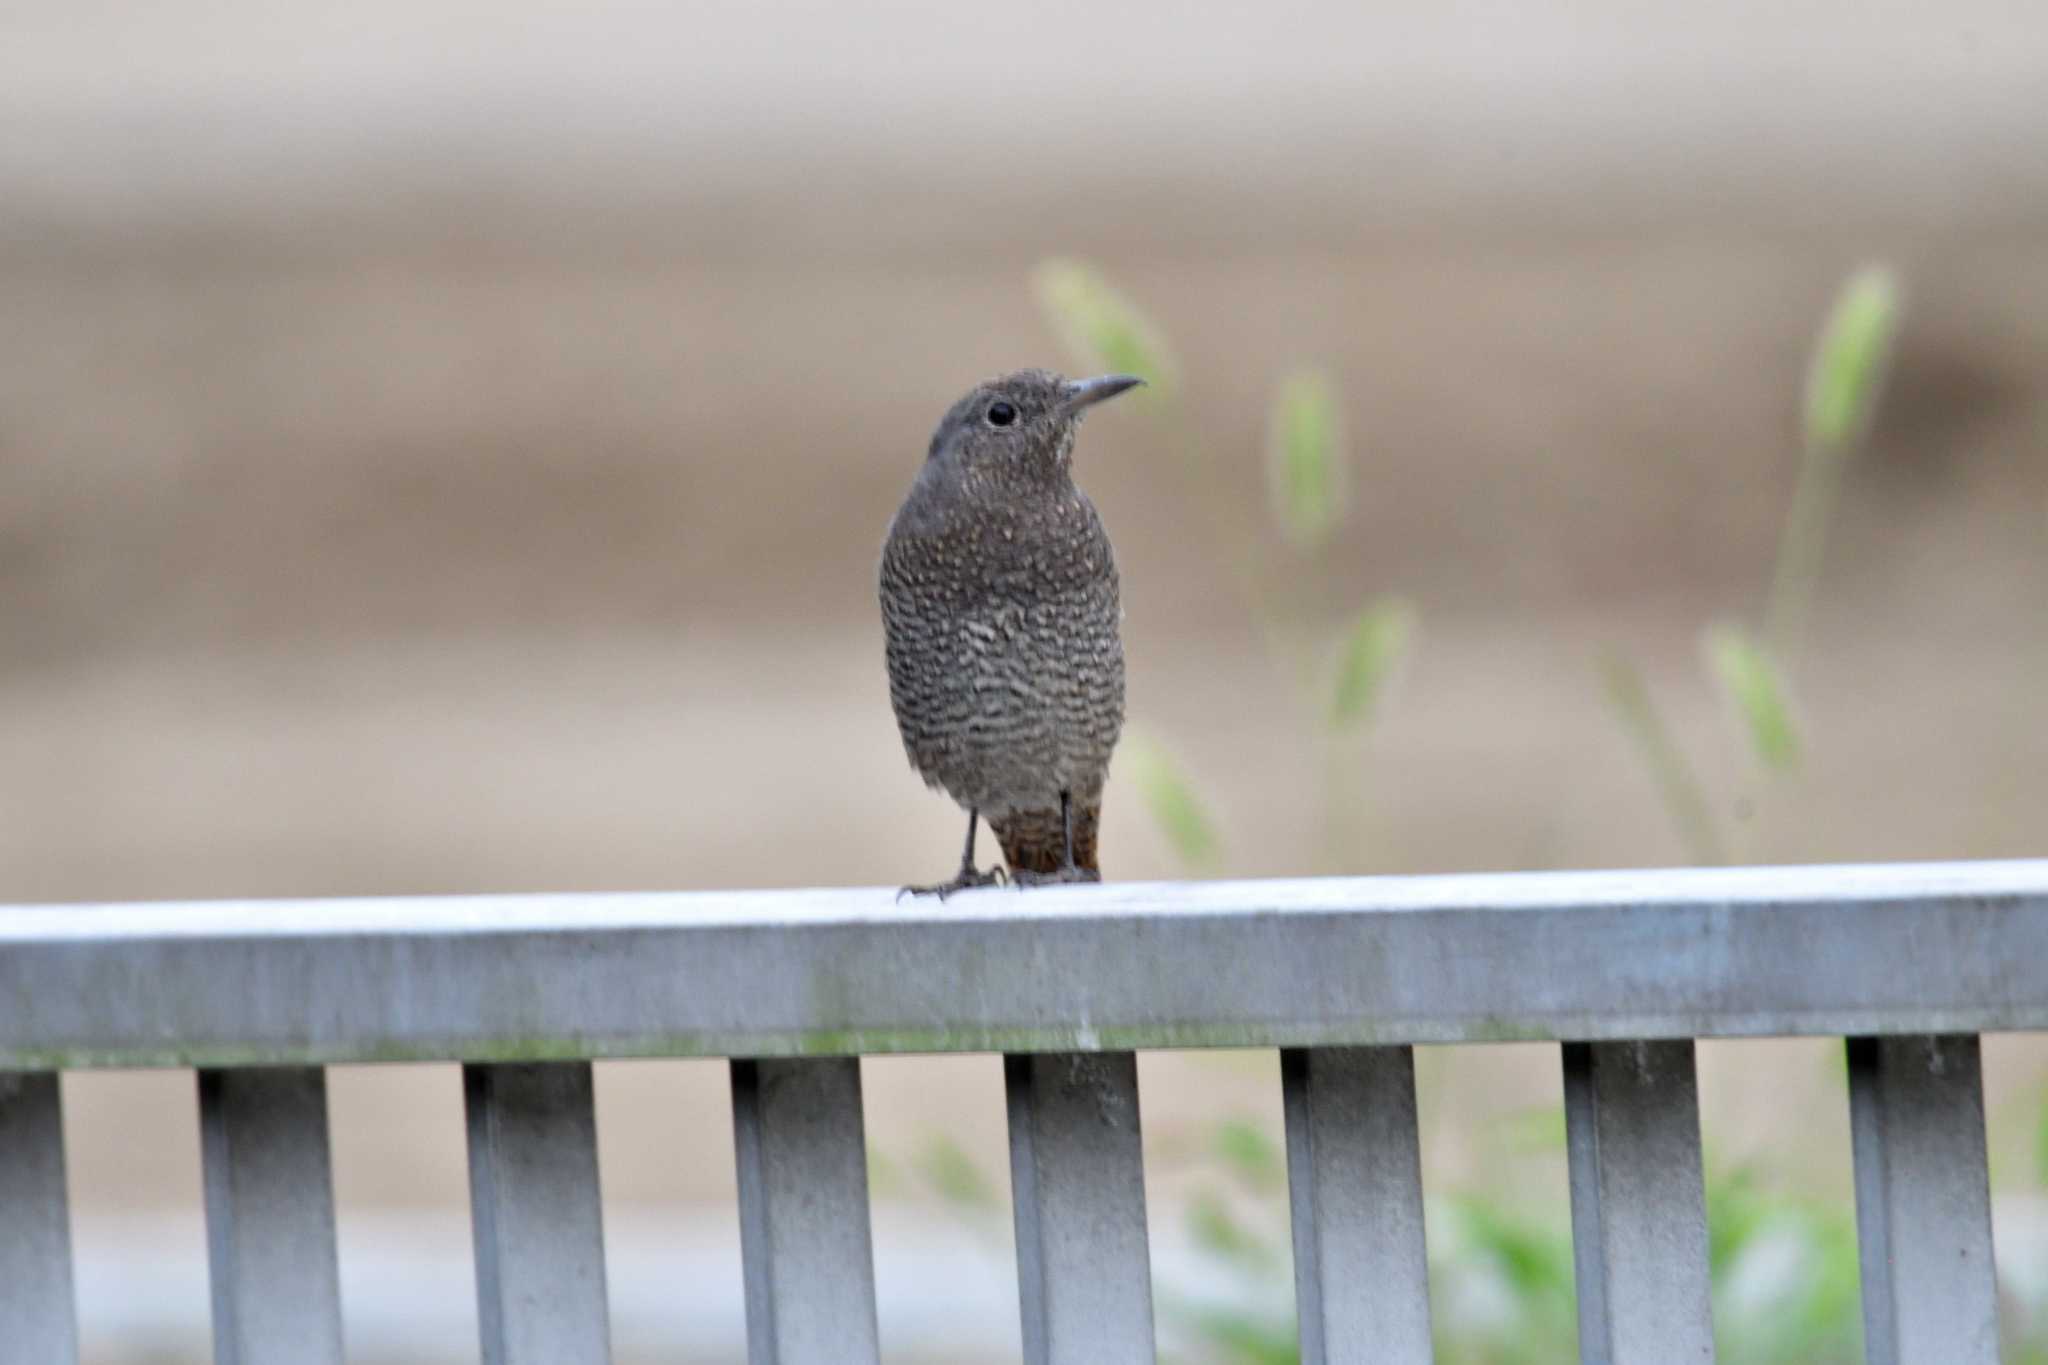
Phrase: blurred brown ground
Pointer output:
(456, 461)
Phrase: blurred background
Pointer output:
(447, 449)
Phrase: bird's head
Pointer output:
(1020, 424)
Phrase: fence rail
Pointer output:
(1909, 962)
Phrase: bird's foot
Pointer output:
(1058, 877)
(966, 880)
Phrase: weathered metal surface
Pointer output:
(533, 1199)
(37, 1318)
(805, 1242)
(1077, 1177)
(1923, 1201)
(1698, 953)
(1639, 1222)
(1354, 1175)
(270, 1216)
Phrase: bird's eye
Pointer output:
(1001, 414)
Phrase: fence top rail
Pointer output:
(1888, 948)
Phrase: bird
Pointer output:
(1002, 617)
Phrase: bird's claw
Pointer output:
(967, 880)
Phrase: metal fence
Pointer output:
(1907, 962)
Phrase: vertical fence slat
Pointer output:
(805, 1242)
(270, 1216)
(1077, 1175)
(1354, 1177)
(1923, 1201)
(1639, 1223)
(37, 1314)
(533, 1196)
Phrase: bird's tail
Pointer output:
(1034, 841)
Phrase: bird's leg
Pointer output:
(1067, 830)
(969, 875)
(1068, 871)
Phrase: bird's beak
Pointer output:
(1085, 393)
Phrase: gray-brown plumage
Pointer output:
(1000, 607)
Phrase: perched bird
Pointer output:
(1001, 611)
